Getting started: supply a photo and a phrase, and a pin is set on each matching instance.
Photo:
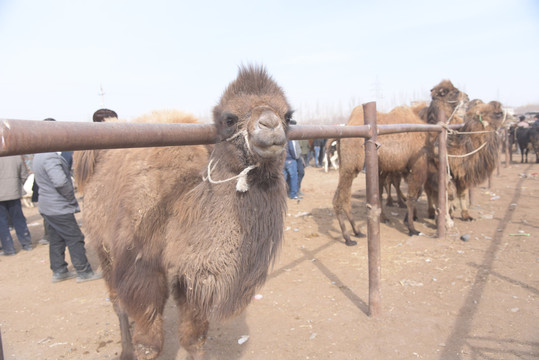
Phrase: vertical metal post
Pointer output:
(1, 349)
(373, 210)
(442, 177)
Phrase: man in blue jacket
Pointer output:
(58, 205)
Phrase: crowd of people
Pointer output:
(54, 192)
(299, 154)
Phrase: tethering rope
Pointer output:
(241, 184)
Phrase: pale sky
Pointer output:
(327, 55)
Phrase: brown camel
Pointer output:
(473, 151)
(445, 96)
(189, 221)
(394, 179)
(401, 154)
(455, 103)
(472, 156)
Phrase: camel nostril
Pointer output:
(268, 120)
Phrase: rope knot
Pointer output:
(241, 184)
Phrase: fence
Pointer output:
(28, 137)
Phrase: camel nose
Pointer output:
(268, 120)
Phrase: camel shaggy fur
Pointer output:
(445, 96)
(402, 153)
(168, 220)
(473, 151)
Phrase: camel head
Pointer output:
(448, 94)
(253, 114)
(472, 107)
(490, 115)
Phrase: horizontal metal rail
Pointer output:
(18, 137)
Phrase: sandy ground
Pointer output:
(441, 299)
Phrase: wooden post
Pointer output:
(373, 210)
(442, 177)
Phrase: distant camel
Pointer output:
(400, 154)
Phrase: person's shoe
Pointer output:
(90, 276)
(7, 254)
(43, 242)
(27, 248)
(297, 198)
(57, 277)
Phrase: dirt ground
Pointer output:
(441, 299)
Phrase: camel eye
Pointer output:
(288, 116)
(230, 119)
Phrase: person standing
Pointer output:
(301, 165)
(305, 151)
(318, 145)
(58, 205)
(13, 174)
(291, 170)
(102, 115)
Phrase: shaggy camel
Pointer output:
(445, 96)
(455, 103)
(401, 154)
(169, 220)
(473, 151)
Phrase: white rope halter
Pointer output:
(241, 184)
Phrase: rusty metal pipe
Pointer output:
(302, 132)
(29, 137)
(373, 212)
(397, 128)
(442, 177)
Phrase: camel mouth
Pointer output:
(268, 138)
(267, 143)
(269, 152)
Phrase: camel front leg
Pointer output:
(464, 206)
(146, 308)
(343, 207)
(128, 352)
(193, 325)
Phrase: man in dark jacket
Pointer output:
(58, 205)
(13, 174)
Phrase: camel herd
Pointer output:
(472, 153)
(204, 223)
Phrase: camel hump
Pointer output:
(86, 161)
(84, 167)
